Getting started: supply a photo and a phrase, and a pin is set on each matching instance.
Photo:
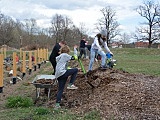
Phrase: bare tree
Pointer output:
(60, 26)
(108, 22)
(125, 38)
(151, 12)
(83, 29)
(6, 29)
(32, 30)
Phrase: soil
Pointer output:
(117, 94)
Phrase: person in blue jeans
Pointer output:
(96, 48)
(62, 73)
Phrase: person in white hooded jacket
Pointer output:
(97, 48)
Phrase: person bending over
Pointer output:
(96, 48)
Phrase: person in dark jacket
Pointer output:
(82, 48)
(55, 53)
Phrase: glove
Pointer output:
(68, 68)
(75, 57)
(108, 55)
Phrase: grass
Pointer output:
(143, 60)
(42, 113)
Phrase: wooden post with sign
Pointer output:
(1, 72)
(14, 68)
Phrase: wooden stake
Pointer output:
(30, 59)
(14, 65)
(35, 57)
(24, 62)
(1, 69)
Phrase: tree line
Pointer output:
(27, 33)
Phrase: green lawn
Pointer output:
(142, 60)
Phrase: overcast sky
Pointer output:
(80, 11)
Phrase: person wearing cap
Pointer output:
(96, 48)
(55, 53)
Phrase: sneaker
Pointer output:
(72, 87)
(103, 67)
(57, 106)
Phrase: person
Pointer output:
(96, 48)
(62, 72)
(82, 48)
(55, 53)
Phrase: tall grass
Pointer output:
(138, 60)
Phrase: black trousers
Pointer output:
(53, 62)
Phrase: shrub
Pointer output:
(19, 101)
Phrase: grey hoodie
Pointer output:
(61, 66)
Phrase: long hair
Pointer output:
(99, 37)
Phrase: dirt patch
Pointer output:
(118, 94)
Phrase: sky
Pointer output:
(79, 11)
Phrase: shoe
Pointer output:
(72, 87)
(57, 106)
(104, 67)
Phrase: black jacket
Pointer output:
(55, 52)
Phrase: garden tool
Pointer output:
(85, 73)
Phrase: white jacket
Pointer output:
(96, 45)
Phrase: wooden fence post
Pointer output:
(24, 64)
(14, 68)
(47, 55)
(30, 62)
(39, 64)
(35, 60)
(1, 72)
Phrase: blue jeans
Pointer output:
(62, 81)
(92, 57)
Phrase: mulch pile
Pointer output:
(117, 94)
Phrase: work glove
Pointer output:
(75, 57)
(68, 67)
(108, 55)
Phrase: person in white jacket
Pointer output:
(96, 48)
